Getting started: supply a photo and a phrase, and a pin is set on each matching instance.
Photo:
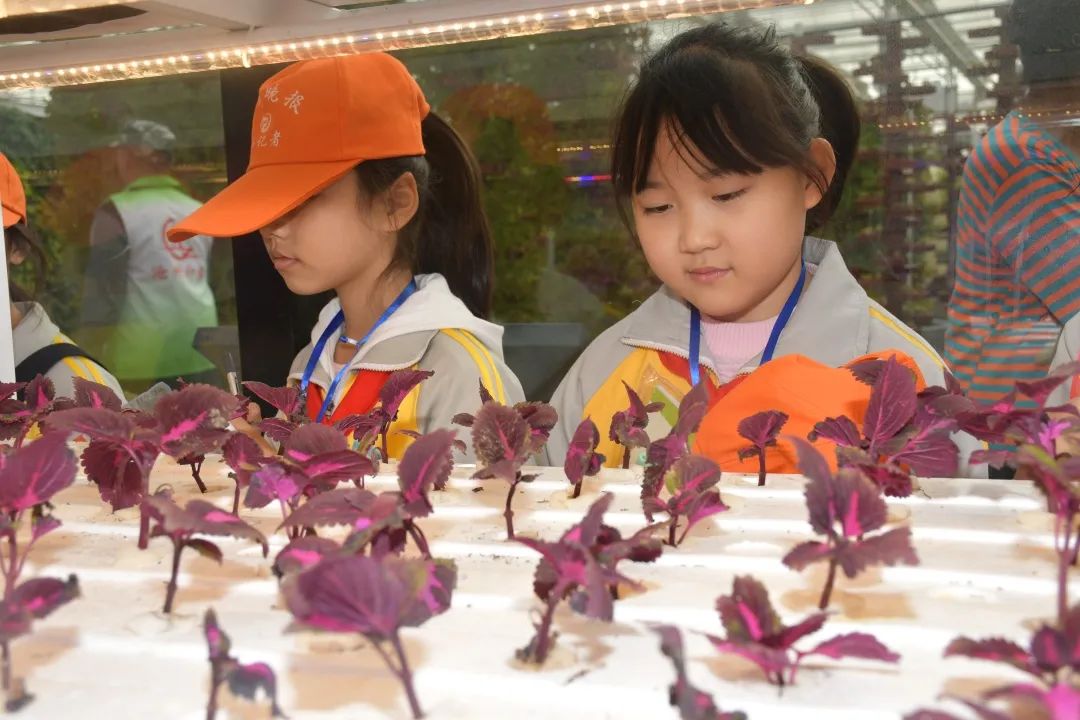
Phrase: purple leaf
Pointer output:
(581, 457)
(313, 439)
(285, 399)
(42, 525)
(397, 387)
(839, 430)
(994, 649)
(888, 548)
(463, 419)
(695, 479)
(39, 393)
(198, 517)
(303, 553)
(812, 463)
(857, 645)
(791, 634)
(748, 614)
(628, 426)
(500, 439)
(342, 506)
(867, 371)
(94, 395)
(118, 476)
(247, 681)
(541, 419)
(892, 403)
(426, 464)
(278, 429)
(194, 420)
(9, 389)
(931, 457)
(326, 471)
(372, 597)
(693, 704)
(1061, 700)
(485, 395)
(207, 549)
(95, 423)
(1041, 389)
(32, 474)
(805, 554)
(763, 428)
(242, 455)
(271, 482)
(217, 641)
(33, 600)
(692, 410)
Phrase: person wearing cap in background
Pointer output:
(40, 348)
(1018, 218)
(145, 297)
(356, 187)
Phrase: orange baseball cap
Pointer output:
(12, 195)
(314, 121)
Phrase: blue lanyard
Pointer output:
(332, 328)
(774, 336)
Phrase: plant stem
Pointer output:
(385, 454)
(236, 498)
(626, 458)
(170, 592)
(144, 528)
(418, 536)
(11, 575)
(405, 674)
(195, 468)
(215, 685)
(761, 467)
(673, 525)
(826, 594)
(577, 490)
(508, 513)
(1064, 560)
(543, 631)
(5, 660)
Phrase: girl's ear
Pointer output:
(402, 200)
(16, 251)
(823, 158)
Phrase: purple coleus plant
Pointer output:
(754, 631)
(846, 508)
(124, 445)
(628, 426)
(761, 430)
(375, 597)
(503, 442)
(583, 566)
(36, 400)
(29, 477)
(243, 680)
(1052, 659)
(903, 431)
(314, 459)
(181, 524)
(693, 704)
(582, 460)
(290, 406)
(691, 484)
(540, 418)
(377, 422)
(1057, 478)
(381, 522)
(664, 453)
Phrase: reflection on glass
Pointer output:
(149, 296)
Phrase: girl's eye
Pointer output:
(656, 209)
(728, 197)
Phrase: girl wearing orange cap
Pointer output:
(355, 186)
(727, 150)
(39, 346)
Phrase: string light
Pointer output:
(470, 29)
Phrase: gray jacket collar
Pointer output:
(831, 323)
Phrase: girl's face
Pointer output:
(728, 244)
(338, 238)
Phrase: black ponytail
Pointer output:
(839, 124)
(738, 101)
(450, 233)
(21, 238)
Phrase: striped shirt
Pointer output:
(1018, 258)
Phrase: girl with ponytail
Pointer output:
(355, 186)
(728, 152)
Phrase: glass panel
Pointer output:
(107, 169)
